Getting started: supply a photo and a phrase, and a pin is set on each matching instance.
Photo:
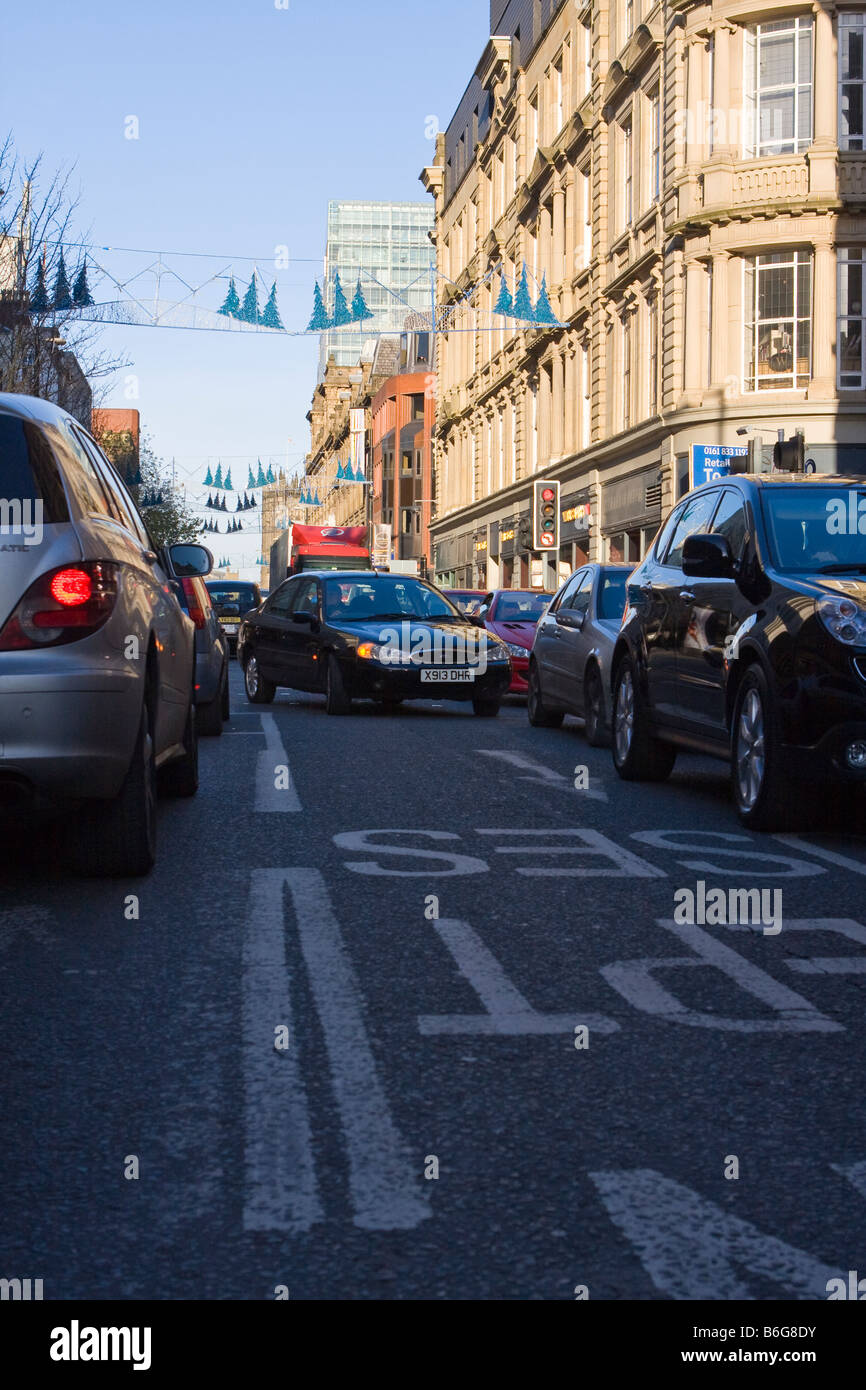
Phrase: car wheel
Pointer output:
(117, 838)
(259, 691)
(764, 795)
(485, 709)
(225, 700)
(180, 778)
(336, 699)
(540, 717)
(593, 710)
(637, 755)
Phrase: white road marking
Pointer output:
(594, 844)
(280, 1180)
(842, 861)
(385, 1183)
(268, 797)
(635, 981)
(508, 1012)
(539, 773)
(692, 1248)
(845, 927)
(855, 1173)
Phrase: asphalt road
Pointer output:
(284, 1038)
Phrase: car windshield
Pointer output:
(468, 604)
(817, 528)
(516, 607)
(388, 596)
(611, 594)
(242, 595)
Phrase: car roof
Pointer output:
(32, 408)
(354, 574)
(771, 480)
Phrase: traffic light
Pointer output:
(524, 533)
(789, 455)
(545, 515)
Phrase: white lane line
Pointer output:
(275, 790)
(508, 1012)
(855, 866)
(385, 1183)
(280, 1180)
(539, 773)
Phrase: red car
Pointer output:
(513, 614)
(467, 600)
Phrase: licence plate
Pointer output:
(230, 627)
(440, 674)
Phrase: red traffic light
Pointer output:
(547, 494)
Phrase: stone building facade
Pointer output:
(690, 179)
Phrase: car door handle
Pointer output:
(687, 596)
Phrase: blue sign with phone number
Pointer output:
(710, 462)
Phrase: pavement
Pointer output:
(404, 1012)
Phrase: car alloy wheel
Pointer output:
(623, 723)
(750, 752)
(251, 677)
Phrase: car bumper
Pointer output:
(372, 681)
(519, 676)
(825, 760)
(208, 675)
(66, 735)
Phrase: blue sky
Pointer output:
(250, 119)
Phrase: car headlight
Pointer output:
(517, 651)
(370, 651)
(844, 619)
(499, 651)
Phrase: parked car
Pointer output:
(512, 615)
(212, 701)
(96, 654)
(232, 598)
(569, 669)
(365, 635)
(744, 636)
(467, 600)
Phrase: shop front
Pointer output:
(574, 524)
(480, 544)
(631, 515)
(453, 561)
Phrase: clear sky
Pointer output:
(250, 118)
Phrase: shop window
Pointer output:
(778, 304)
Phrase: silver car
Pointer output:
(96, 656)
(569, 668)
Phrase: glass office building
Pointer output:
(385, 241)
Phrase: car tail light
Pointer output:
(61, 606)
(196, 612)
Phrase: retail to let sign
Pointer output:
(709, 462)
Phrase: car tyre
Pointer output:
(485, 708)
(117, 838)
(540, 717)
(336, 699)
(259, 691)
(209, 717)
(225, 698)
(595, 728)
(637, 755)
(764, 795)
(180, 778)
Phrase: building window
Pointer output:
(586, 56)
(655, 152)
(779, 87)
(417, 406)
(533, 427)
(627, 171)
(851, 266)
(628, 19)
(557, 96)
(533, 128)
(625, 366)
(652, 320)
(778, 303)
(852, 31)
(585, 396)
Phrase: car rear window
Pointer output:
(611, 594)
(28, 474)
(245, 596)
(521, 608)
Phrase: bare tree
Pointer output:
(46, 349)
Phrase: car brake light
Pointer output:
(62, 606)
(196, 612)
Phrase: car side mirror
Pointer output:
(707, 557)
(571, 617)
(304, 616)
(190, 560)
(481, 615)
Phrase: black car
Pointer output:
(365, 635)
(744, 636)
(232, 598)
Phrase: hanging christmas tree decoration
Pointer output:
(253, 502)
(238, 504)
(228, 482)
(342, 312)
(543, 312)
(319, 320)
(231, 304)
(316, 502)
(39, 302)
(209, 503)
(270, 313)
(270, 475)
(81, 296)
(223, 506)
(249, 311)
(251, 482)
(360, 308)
(218, 476)
(208, 478)
(239, 526)
(340, 474)
(522, 308)
(261, 480)
(62, 295)
(504, 303)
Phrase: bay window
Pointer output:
(778, 85)
(778, 321)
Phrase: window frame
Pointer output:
(754, 147)
(843, 261)
(752, 323)
(851, 20)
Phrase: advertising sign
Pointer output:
(710, 462)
